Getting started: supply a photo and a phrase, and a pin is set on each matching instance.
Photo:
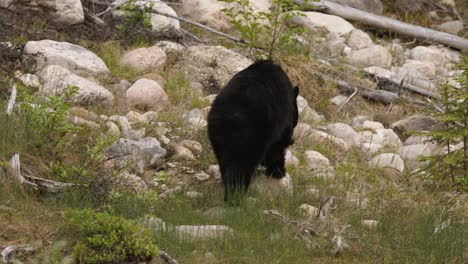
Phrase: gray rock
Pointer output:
(358, 121)
(193, 146)
(290, 159)
(213, 171)
(29, 80)
(375, 55)
(168, 46)
(195, 118)
(212, 66)
(57, 79)
(304, 132)
(147, 93)
(430, 54)
(452, 27)
(112, 129)
(270, 187)
(135, 134)
(359, 39)
(202, 176)
(414, 123)
(409, 6)
(345, 132)
(411, 154)
(39, 54)
(388, 138)
(379, 71)
(121, 121)
(372, 6)
(372, 125)
(315, 20)
(83, 122)
(420, 68)
(388, 160)
(161, 23)
(145, 152)
(183, 153)
(145, 59)
(131, 182)
(338, 100)
(335, 44)
(315, 160)
(136, 118)
(205, 11)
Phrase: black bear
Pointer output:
(251, 122)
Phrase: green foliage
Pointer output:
(265, 32)
(48, 119)
(106, 238)
(135, 16)
(453, 163)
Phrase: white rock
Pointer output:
(389, 138)
(67, 12)
(270, 187)
(183, 153)
(205, 11)
(359, 39)
(158, 22)
(325, 138)
(429, 54)
(40, 54)
(314, 20)
(131, 182)
(122, 121)
(83, 122)
(379, 71)
(308, 211)
(372, 125)
(145, 59)
(147, 93)
(411, 154)
(338, 100)
(193, 145)
(212, 66)
(57, 79)
(134, 134)
(345, 132)
(388, 160)
(195, 118)
(202, 176)
(371, 148)
(416, 139)
(452, 27)
(151, 116)
(372, 6)
(418, 68)
(28, 79)
(112, 129)
(290, 159)
(145, 152)
(375, 55)
(213, 171)
(136, 118)
(315, 160)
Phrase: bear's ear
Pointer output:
(296, 91)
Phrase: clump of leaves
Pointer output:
(452, 136)
(48, 119)
(266, 32)
(106, 238)
(135, 16)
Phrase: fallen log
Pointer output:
(353, 14)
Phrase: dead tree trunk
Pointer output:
(353, 14)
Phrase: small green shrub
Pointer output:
(106, 238)
(265, 32)
(135, 15)
(453, 163)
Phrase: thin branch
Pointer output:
(348, 99)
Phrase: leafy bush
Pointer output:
(106, 238)
(265, 32)
(453, 135)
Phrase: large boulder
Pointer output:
(61, 12)
(375, 55)
(414, 123)
(56, 79)
(142, 153)
(316, 20)
(145, 59)
(430, 54)
(212, 66)
(39, 54)
(146, 93)
(372, 6)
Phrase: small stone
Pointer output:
(338, 100)
(345, 132)
(194, 195)
(136, 118)
(202, 176)
(193, 145)
(358, 121)
(372, 125)
(121, 121)
(132, 182)
(290, 159)
(183, 153)
(213, 171)
(83, 122)
(195, 118)
(147, 93)
(359, 39)
(315, 160)
(112, 129)
(308, 211)
(145, 59)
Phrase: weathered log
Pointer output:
(353, 14)
(11, 100)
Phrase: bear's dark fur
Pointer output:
(251, 122)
